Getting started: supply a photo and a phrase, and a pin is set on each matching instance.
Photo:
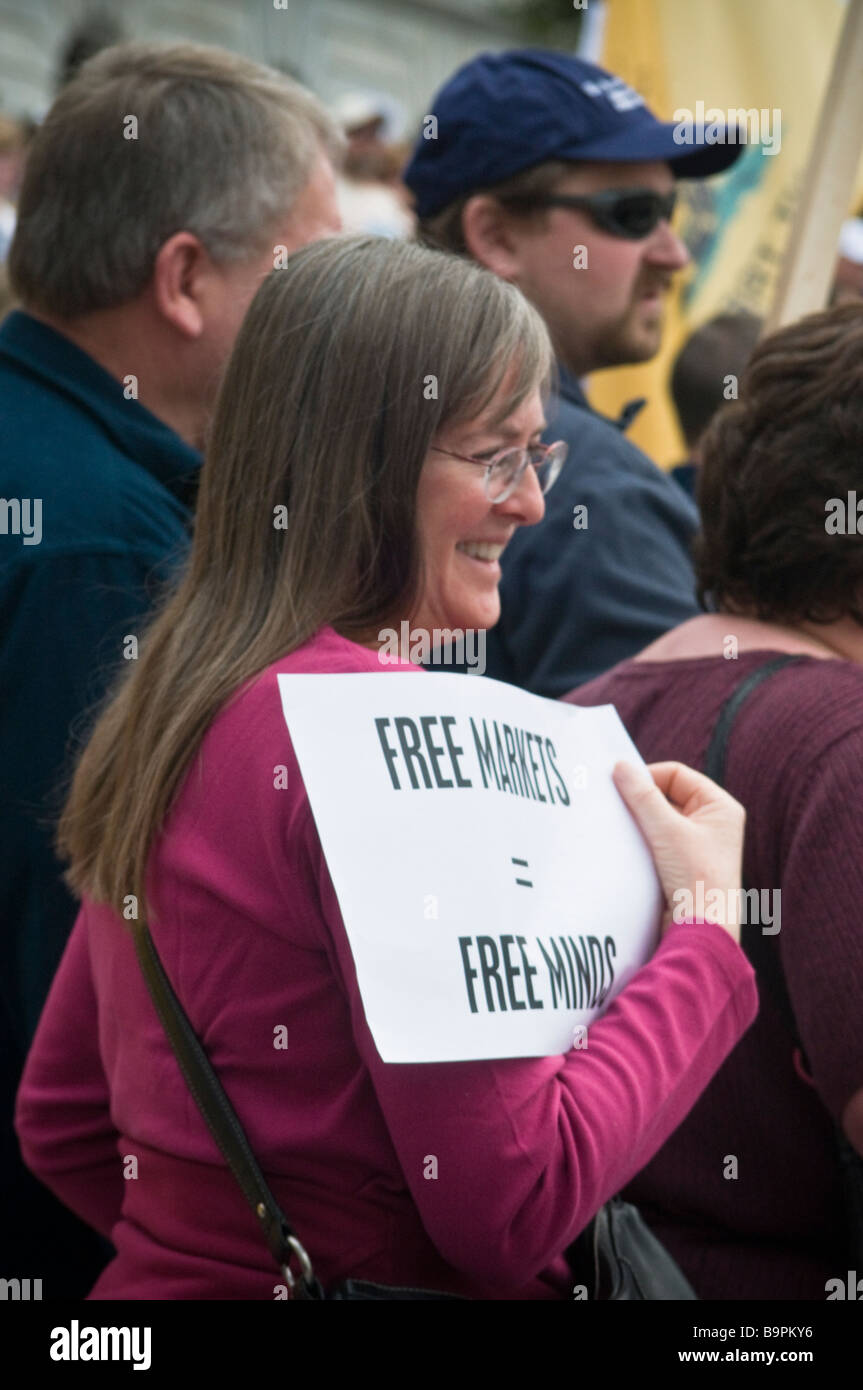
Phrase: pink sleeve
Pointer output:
(528, 1150)
(62, 1114)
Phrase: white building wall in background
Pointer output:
(399, 49)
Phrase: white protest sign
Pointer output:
(494, 888)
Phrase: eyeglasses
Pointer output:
(632, 213)
(505, 470)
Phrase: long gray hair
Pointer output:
(349, 362)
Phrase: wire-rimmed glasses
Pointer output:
(505, 470)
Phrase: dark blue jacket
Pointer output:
(574, 602)
(115, 485)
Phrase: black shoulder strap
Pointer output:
(714, 762)
(767, 964)
(221, 1118)
(763, 957)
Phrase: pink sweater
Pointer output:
(248, 926)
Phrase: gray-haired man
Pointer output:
(164, 184)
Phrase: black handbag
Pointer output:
(763, 955)
(616, 1257)
(621, 1260)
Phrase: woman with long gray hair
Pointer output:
(173, 809)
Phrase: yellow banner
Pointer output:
(762, 56)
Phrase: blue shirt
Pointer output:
(583, 590)
(111, 487)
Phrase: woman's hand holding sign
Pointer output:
(694, 831)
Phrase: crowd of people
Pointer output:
(199, 345)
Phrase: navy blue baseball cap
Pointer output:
(505, 112)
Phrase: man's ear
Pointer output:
(180, 270)
(488, 232)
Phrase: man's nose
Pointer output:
(667, 249)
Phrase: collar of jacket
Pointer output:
(570, 389)
(69, 370)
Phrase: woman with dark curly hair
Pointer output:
(747, 1192)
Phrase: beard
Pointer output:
(633, 338)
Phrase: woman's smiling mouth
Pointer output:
(485, 551)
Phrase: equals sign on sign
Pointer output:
(522, 882)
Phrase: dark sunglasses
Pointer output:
(632, 213)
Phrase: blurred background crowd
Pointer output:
(376, 65)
